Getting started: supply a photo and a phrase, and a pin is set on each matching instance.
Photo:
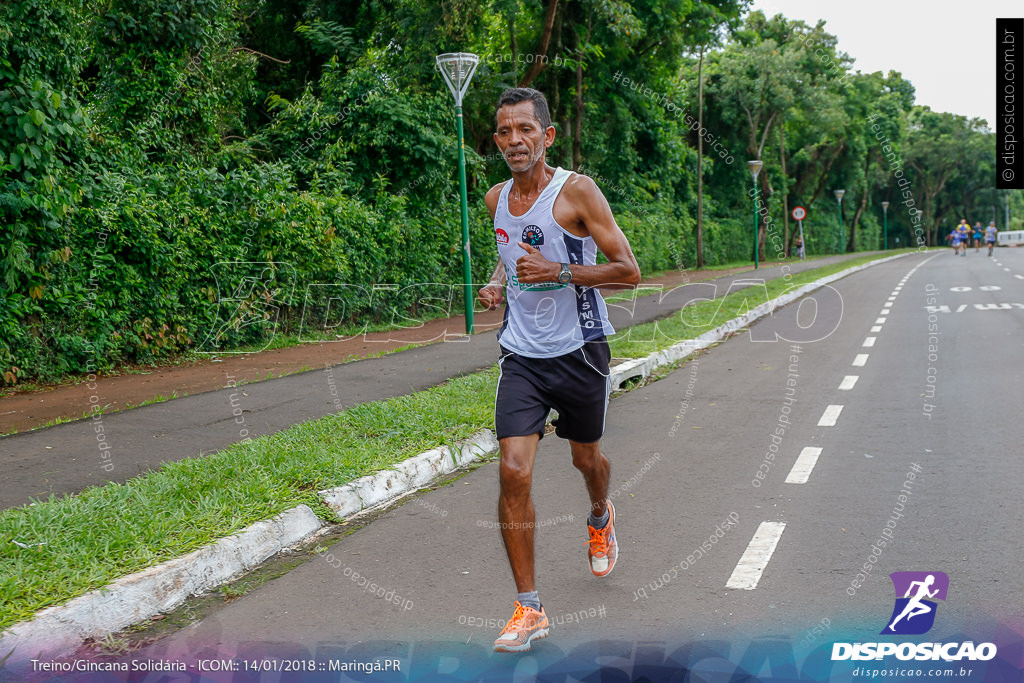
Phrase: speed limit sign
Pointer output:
(799, 213)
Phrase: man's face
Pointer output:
(520, 137)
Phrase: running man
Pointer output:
(549, 224)
(990, 236)
(915, 606)
(977, 236)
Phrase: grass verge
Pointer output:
(642, 290)
(703, 316)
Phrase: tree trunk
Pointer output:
(863, 205)
(785, 188)
(851, 244)
(513, 45)
(540, 64)
(700, 160)
(766, 194)
(577, 137)
(824, 174)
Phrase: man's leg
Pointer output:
(603, 549)
(515, 506)
(596, 471)
(515, 512)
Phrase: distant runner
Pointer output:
(963, 235)
(549, 224)
(977, 236)
(990, 236)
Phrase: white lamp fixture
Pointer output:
(754, 167)
(458, 69)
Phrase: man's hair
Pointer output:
(517, 95)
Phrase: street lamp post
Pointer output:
(839, 200)
(457, 69)
(885, 220)
(755, 168)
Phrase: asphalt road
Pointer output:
(68, 458)
(933, 416)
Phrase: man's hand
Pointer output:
(535, 268)
(491, 295)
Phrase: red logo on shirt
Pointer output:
(501, 236)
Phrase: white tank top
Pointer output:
(546, 319)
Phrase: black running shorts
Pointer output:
(576, 385)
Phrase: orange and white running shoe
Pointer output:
(526, 625)
(602, 549)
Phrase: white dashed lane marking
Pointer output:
(747, 573)
(805, 462)
(869, 341)
(830, 416)
(861, 360)
(848, 382)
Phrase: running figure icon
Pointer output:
(915, 606)
(916, 596)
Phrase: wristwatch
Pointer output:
(565, 275)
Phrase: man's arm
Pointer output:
(593, 213)
(492, 294)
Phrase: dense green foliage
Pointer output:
(182, 175)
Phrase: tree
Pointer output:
(753, 85)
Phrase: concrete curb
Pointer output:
(409, 475)
(641, 368)
(58, 631)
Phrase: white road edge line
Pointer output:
(848, 382)
(830, 416)
(747, 573)
(861, 360)
(805, 462)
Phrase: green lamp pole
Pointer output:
(755, 167)
(885, 221)
(457, 69)
(839, 199)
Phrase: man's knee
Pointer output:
(515, 474)
(515, 471)
(586, 455)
